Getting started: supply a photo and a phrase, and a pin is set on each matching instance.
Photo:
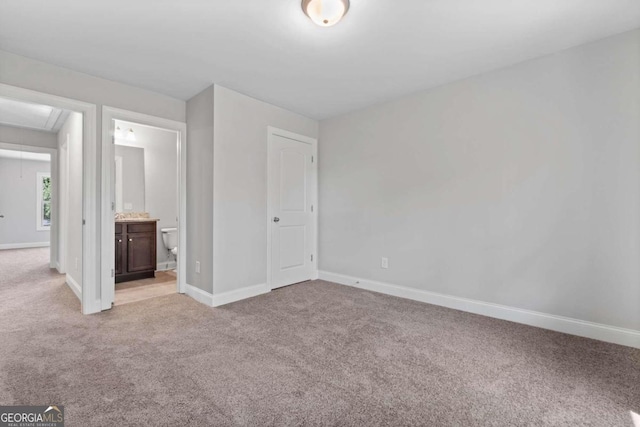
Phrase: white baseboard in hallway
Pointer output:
(24, 245)
(75, 286)
(597, 331)
(239, 294)
(226, 297)
(199, 295)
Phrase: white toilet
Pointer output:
(170, 240)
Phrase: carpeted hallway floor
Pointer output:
(309, 354)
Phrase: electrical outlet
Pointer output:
(384, 263)
(198, 267)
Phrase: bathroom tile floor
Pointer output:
(139, 290)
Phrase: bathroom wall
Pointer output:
(160, 178)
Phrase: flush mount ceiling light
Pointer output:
(325, 12)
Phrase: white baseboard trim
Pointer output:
(74, 286)
(59, 268)
(166, 266)
(240, 294)
(567, 325)
(24, 245)
(199, 295)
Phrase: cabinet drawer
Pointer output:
(118, 228)
(144, 227)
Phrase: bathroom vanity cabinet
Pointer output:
(135, 250)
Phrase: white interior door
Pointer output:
(292, 195)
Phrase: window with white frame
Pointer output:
(43, 194)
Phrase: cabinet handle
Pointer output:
(131, 240)
(119, 241)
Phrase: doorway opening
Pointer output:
(26, 199)
(143, 226)
(41, 196)
(146, 201)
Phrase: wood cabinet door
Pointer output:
(141, 251)
(120, 268)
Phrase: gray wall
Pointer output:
(518, 187)
(240, 185)
(227, 160)
(200, 189)
(18, 201)
(35, 138)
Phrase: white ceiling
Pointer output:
(31, 116)
(24, 155)
(270, 50)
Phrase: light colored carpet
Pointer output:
(309, 354)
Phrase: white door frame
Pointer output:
(271, 132)
(108, 226)
(90, 295)
(54, 231)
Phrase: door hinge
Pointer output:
(311, 257)
(311, 208)
(112, 272)
(113, 206)
(311, 159)
(84, 222)
(113, 139)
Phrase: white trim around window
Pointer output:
(40, 202)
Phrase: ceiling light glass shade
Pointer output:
(130, 135)
(325, 12)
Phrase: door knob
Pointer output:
(276, 219)
(131, 240)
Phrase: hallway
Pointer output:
(25, 277)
